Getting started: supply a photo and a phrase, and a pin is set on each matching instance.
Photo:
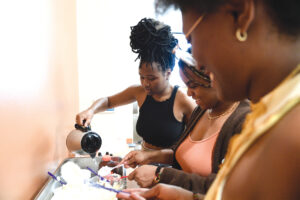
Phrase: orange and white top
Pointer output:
(196, 156)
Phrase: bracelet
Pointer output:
(157, 174)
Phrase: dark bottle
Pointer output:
(82, 138)
(91, 143)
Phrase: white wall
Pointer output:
(106, 62)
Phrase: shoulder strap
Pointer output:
(196, 115)
(174, 92)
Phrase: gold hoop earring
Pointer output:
(242, 37)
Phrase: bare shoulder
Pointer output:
(132, 91)
(184, 103)
(140, 93)
(128, 95)
(136, 89)
(282, 155)
(183, 98)
(284, 137)
(269, 169)
(288, 129)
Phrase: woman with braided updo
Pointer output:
(163, 108)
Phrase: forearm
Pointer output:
(192, 182)
(99, 105)
(161, 156)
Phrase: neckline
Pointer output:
(203, 140)
(168, 99)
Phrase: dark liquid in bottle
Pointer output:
(91, 143)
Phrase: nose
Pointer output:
(189, 92)
(145, 83)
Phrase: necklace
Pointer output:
(222, 114)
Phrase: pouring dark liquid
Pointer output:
(91, 143)
(82, 138)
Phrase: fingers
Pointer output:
(78, 119)
(136, 190)
(153, 192)
(131, 176)
(123, 195)
(163, 191)
(129, 196)
(84, 118)
(129, 159)
(139, 180)
(124, 160)
(132, 165)
(137, 197)
(86, 121)
(142, 184)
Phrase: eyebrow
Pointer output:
(189, 83)
(147, 75)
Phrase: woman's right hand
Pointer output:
(160, 191)
(134, 158)
(85, 117)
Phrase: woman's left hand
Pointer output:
(143, 175)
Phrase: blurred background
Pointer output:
(56, 58)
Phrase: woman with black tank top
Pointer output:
(163, 108)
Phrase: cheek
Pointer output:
(223, 86)
(201, 94)
(158, 83)
(210, 54)
(197, 51)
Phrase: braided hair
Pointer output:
(153, 42)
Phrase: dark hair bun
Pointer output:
(154, 42)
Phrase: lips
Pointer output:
(148, 90)
(198, 101)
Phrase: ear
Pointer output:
(246, 17)
(243, 11)
(168, 73)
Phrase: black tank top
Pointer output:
(157, 124)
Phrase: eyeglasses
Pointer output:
(185, 56)
(189, 61)
(187, 35)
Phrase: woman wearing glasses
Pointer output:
(203, 145)
(163, 108)
(252, 47)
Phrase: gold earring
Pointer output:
(242, 37)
